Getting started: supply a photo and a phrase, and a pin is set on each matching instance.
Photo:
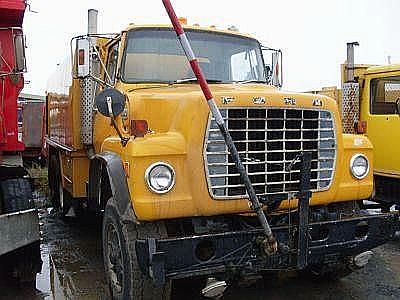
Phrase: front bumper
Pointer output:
(239, 251)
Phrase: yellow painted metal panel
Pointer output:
(382, 130)
(178, 137)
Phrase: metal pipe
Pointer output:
(350, 61)
(87, 85)
(269, 244)
(92, 21)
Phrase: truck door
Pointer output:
(383, 122)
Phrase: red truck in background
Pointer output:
(19, 224)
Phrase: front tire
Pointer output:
(54, 177)
(124, 277)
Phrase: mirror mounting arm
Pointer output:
(124, 140)
(102, 82)
(102, 65)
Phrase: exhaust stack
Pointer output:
(350, 61)
(350, 94)
(87, 84)
(92, 21)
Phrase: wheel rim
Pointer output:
(114, 259)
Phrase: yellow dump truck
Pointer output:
(130, 135)
(370, 104)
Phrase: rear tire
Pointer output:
(60, 199)
(54, 180)
(124, 277)
(16, 194)
(65, 200)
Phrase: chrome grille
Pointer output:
(269, 140)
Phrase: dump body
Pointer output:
(19, 222)
(11, 84)
(12, 81)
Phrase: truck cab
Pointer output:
(372, 107)
(130, 135)
(380, 110)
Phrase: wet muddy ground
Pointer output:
(73, 269)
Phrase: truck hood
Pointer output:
(170, 107)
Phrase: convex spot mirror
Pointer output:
(110, 101)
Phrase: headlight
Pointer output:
(160, 177)
(359, 166)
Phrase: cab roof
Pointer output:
(193, 27)
(383, 69)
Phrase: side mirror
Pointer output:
(277, 68)
(19, 46)
(82, 62)
(273, 65)
(110, 102)
(398, 106)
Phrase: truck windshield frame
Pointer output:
(153, 55)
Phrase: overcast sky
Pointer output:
(311, 33)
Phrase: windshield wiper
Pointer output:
(195, 79)
(250, 81)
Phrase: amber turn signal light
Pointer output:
(81, 57)
(360, 127)
(139, 128)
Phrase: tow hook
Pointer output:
(362, 259)
(214, 288)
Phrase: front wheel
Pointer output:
(124, 277)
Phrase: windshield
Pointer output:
(155, 55)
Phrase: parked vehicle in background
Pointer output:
(19, 224)
(370, 104)
(129, 134)
(32, 127)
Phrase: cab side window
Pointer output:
(385, 92)
(112, 60)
